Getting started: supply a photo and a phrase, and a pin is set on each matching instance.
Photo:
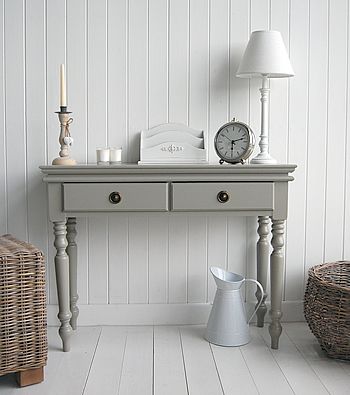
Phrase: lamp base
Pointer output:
(66, 161)
(263, 158)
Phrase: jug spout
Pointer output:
(226, 280)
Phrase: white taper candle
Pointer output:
(63, 96)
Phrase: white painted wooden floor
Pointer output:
(171, 360)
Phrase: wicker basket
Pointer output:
(327, 307)
(23, 327)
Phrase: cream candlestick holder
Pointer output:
(65, 138)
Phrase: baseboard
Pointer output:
(159, 314)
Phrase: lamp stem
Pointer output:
(265, 93)
(264, 157)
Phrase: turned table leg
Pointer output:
(72, 253)
(262, 265)
(62, 279)
(276, 273)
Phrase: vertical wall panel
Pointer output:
(97, 76)
(297, 148)
(198, 64)
(197, 260)
(217, 249)
(15, 118)
(118, 258)
(178, 250)
(251, 239)
(239, 36)
(158, 62)
(138, 258)
(98, 261)
(278, 124)
(338, 18)
(178, 60)
(236, 245)
(77, 103)
(77, 76)
(3, 188)
(317, 129)
(158, 258)
(82, 240)
(137, 76)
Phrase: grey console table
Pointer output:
(248, 190)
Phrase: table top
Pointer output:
(131, 172)
(133, 168)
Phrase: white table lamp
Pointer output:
(265, 57)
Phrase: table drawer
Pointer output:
(115, 197)
(212, 196)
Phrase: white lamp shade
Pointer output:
(265, 55)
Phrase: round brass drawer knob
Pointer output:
(223, 197)
(114, 197)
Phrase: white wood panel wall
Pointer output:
(133, 64)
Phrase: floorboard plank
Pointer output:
(329, 371)
(202, 377)
(70, 376)
(169, 373)
(265, 371)
(105, 372)
(137, 371)
(300, 375)
(231, 364)
(301, 336)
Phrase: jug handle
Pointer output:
(261, 299)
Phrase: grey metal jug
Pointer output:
(227, 324)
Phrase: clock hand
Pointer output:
(226, 137)
(238, 139)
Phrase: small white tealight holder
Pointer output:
(102, 156)
(115, 155)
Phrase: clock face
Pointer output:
(233, 142)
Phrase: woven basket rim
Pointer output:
(12, 247)
(316, 272)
